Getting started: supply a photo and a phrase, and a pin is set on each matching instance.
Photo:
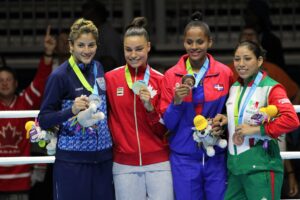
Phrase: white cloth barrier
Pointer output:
(19, 113)
(26, 160)
(50, 159)
(34, 113)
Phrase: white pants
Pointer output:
(152, 182)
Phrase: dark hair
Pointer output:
(95, 11)
(9, 70)
(252, 46)
(259, 8)
(2, 61)
(137, 28)
(196, 21)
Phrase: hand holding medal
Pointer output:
(137, 86)
(238, 137)
(140, 88)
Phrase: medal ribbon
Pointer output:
(238, 113)
(82, 79)
(201, 73)
(129, 80)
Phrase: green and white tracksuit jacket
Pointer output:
(251, 156)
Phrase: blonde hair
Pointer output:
(82, 26)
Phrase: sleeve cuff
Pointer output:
(176, 107)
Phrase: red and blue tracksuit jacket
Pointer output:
(207, 99)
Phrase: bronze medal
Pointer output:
(237, 139)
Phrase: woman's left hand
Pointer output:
(145, 97)
(246, 129)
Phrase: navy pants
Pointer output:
(199, 179)
(78, 181)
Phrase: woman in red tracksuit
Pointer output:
(141, 166)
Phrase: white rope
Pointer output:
(290, 155)
(19, 113)
(26, 160)
(50, 159)
(34, 113)
(297, 108)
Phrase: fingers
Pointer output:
(182, 91)
(144, 94)
(48, 31)
(49, 41)
(293, 191)
(80, 103)
(217, 131)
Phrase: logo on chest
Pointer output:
(101, 83)
(120, 91)
(10, 137)
(252, 107)
(219, 87)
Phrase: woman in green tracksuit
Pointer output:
(255, 169)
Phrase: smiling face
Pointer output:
(84, 48)
(246, 63)
(8, 85)
(196, 43)
(136, 49)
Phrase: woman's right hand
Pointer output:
(219, 121)
(80, 103)
(181, 92)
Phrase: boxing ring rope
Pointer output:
(50, 159)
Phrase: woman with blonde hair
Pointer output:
(83, 164)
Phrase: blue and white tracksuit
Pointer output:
(83, 165)
(195, 175)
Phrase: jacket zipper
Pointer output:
(136, 125)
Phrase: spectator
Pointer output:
(111, 52)
(2, 61)
(62, 50)
(257, 16)
(15, 181)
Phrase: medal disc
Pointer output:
(237, 139)
(137, 85)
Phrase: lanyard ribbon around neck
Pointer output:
(128, 76)
(238, 113)
(82, 79)
(201, 73)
